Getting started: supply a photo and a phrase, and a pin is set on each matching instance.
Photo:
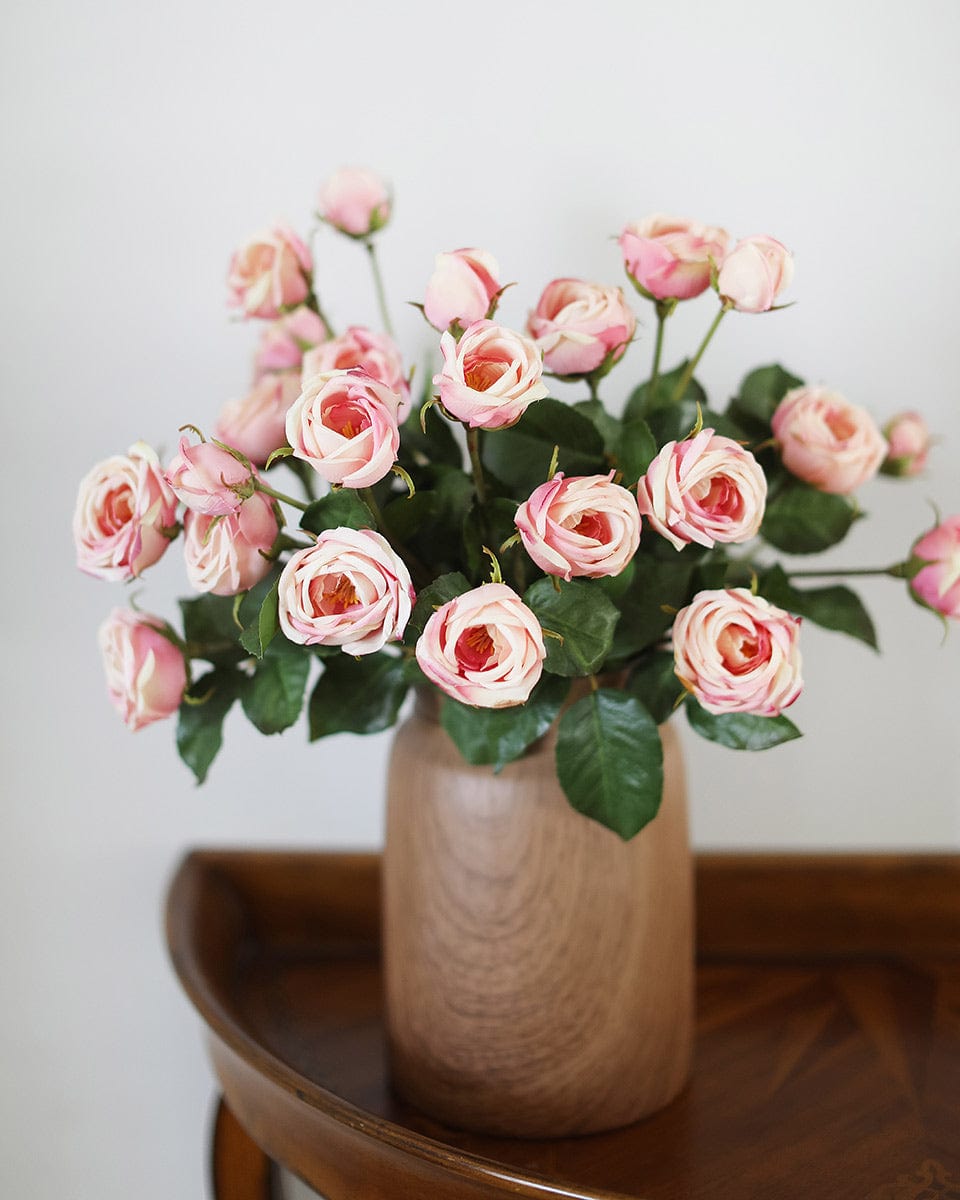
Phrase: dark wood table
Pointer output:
(828, 1044)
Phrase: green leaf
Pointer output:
(639, 403)
(520, 456)
(273, 697)
(488, 526)
(200, 725)
(341, 508)
(499, 735)
(259, 615)
(407, 515)
(636, 451)
(357, 695)
(740, 731)
(647, 608)
(610, 761)
(209, 627)
(654, 683)
(801, 520)
(437, 445)
(673, 424)
(606, 424)
(838, 607)
(760, 393)
(584, 617)
(431, 598)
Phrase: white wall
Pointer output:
(141, 142)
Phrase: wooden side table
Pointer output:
(827, 1064)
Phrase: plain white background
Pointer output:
(140, 144)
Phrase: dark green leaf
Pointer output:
(209, 627)
(647, 608)
(836, 607)
(760, 393)
(499, 735)
(259, 614)
(273, 697)
(407, 515)
(341, 508)
(654, 682)
(200, 726)
(437, 445)
(357, 695)
(488, 526)
(675, 423)
(640, 403)
(636, 450)
(801, 520)
(607, 425)
(431, 598)
(520, 456)
(740, 731)
(583, 616)
(618, 585)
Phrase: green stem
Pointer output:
(473, 445)
(281, 496)
(421, 573)
(594, 385)
(663, 311)
(893, 572)
(378, 282)
(687, 375)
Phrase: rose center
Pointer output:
(117, 510)
(480, 374)
(717, 495)
(333, 595)
(346, 418)
(743, 649)
(591, 525)
(840, 425)
(474, 648)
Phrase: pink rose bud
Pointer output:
(146, 674)
(356, 201)
(255, 424)
(376, 354)
(706, 489)
(938, 584)
(344, 424)
(826, 441)
(124, 504)
(483, 648)
(581, 327)
(908, 444)
(490, 377)
(208, 479)
(754, 273)
(462, 288)
(669, 258)
(269, 273)
(586, 525)
(226, 555)
(737, 653)
(283, 343)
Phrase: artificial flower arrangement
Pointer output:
(488, 540)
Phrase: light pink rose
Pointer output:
(754, 273)
(483, 648)
(344, 424)
(349, 590)
(208, 479)
(737, 653)
(938, 584)
(581, 327)
(826, 441)
(124, 504)
(269, 273)
(376, 354)
(255, 424)
(490, 377)
(669, 258)
(462, 288)
(283, 343)
(908, 444)
(586, 525)
(226, 555)
(356, 201)
(146, 674)
(706, 489)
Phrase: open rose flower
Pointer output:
(123, 507)
(937, 585)
(462, 288)
(669, 258)
(754, 273)
(826, 441)
(491, 376)
(706, 489)
(356, 201)
(283, 344)
(908, 444)
(208, 479)
(349, 590)
(269, 273)
(581, 327)
(483, 648)
(226, 555)
(376, 354)
(737, 653)
(344, 424)
(255, 424)
(146, 674)
(583, 526)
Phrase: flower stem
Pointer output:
(473, 445)
(594, 385)
(894, 572)
(663, 311)
(687, 375)
(421, 573)
(281, 496)
(378, 282)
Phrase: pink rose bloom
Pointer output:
(462, 288)
(349, 590)
(208, 479)
(581, 327)
(226, 555)
(826, 441)
(255, 424)
(586, 525)
(124, 504)
(754, 273)
(356, 201)
(283, 343)
(737, 653)
(269, 273)
(483, 648)
(938, 584)
(669, 258)
(146, 674)
(706, 489)
(344, 424)
(376, 354)
(490, 377)
(908, 444)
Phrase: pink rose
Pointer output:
(344, 424)
(349, 590)
(462, 288)
(283, 343)
(581, 327)
(208, 479)
(269, 273)
(706, 489)
(908, 444)
(490, 377)
(754, 273)
(356, 201)
(124, 504)
(483, 648)
(737, 653)
(586, 525)
(938, 584)
(226, 555)
(669, 258)
(826, 441)
(376, 354)
(255, 424)
(146, 674)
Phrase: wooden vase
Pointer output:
(538, 970)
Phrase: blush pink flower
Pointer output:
(583, 526)
(228, 554)
(737, 653)
(581, 327)
(462, 289)
(349, 590)
(208, 479)
(706, 489)
(255, 424)
(937, 585)
(376, 354)
(356, 201)
(669, 258)
(269, 273)
(754, 273)
(908, 444)
(146, 674)
(483, 648)
(490, 377)
(283, 344)
(124, 506)
(344, 424)
(826, 441)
